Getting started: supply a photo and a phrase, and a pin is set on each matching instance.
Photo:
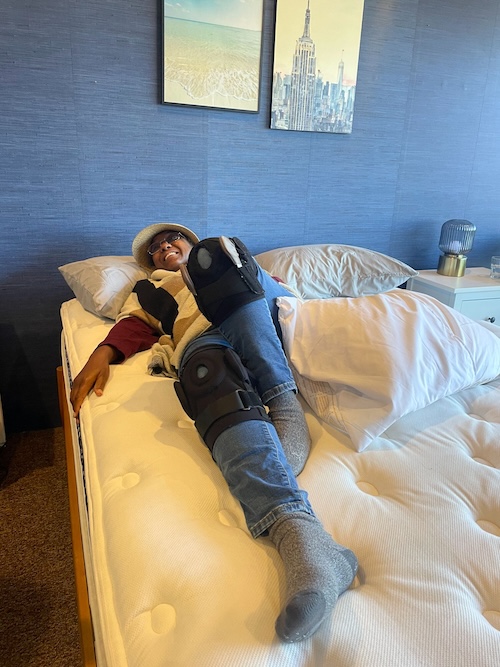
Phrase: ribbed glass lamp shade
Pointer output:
(457, 237)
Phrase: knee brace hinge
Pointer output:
(215, 390)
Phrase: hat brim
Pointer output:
(144, 238)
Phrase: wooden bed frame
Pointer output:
(82, 599)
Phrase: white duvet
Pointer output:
(362, 363)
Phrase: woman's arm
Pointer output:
(127, 337)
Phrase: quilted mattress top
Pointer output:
(179, 581)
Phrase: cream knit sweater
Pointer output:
(179, 323)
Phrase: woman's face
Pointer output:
(173, 250)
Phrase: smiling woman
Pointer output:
(169, 251)
(208, 313)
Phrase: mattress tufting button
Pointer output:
(484, 462)
(489, 527)
(368, 488)
(102, 408)
(130, 479)
(493, 618)
(185, 423)
(228, 519)
(163, 619)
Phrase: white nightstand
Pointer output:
(475, 294)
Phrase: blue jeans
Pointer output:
(249, 454)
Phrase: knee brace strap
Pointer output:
(215, 390)
(222, 275)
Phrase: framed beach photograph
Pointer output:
(212, 53)
(316, 52)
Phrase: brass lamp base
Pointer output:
(452, 265)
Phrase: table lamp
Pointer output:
(457, 237)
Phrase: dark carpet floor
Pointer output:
(38, 619)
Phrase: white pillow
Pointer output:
(362, 363)
(323, 271)
(102, 284)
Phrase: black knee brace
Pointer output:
(222, 275)
(215, 390)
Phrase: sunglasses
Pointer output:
(168, 239)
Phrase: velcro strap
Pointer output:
(229, 404)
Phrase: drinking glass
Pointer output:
(495, 267)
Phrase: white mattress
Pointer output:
(176, 579)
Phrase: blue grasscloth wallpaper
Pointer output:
(89, 155)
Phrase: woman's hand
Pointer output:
(93, 375)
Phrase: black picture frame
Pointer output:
(211, 54)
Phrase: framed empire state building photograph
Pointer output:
(316, 52)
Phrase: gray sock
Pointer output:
(289, 421)
(317, 570)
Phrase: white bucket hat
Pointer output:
(145, 237)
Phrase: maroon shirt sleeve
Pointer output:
(129, 336)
